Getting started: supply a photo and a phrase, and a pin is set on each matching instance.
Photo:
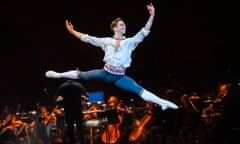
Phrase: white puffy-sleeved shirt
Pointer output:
(120, 57)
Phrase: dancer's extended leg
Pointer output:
(72, 74)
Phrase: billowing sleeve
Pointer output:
(98, 42)
(138, 38)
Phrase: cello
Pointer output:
(112, 133)
(139, 131)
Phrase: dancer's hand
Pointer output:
(151, 9)
(69, 26)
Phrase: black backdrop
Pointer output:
(191, 45)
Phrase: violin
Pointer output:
(48, 117)
(18, 123)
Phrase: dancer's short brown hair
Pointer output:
(114, 23)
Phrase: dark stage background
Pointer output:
(190, 46)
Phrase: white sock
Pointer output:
(73, 74)
(148, 96)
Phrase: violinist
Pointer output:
(24, 129)
(41, 124)
(217, 104)
(226, 126)
(93, 115)
(46, 123)
(10, 128)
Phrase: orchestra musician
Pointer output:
(10, 128)
(42, 120)
(217, 104)
(225, 129)
(112, 132)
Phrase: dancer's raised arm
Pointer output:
(151, 11)
(70, 28)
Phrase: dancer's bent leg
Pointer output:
(165, 104)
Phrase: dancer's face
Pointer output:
(120, 28)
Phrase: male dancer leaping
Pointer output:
(117, 58)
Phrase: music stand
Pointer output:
(95, 97)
